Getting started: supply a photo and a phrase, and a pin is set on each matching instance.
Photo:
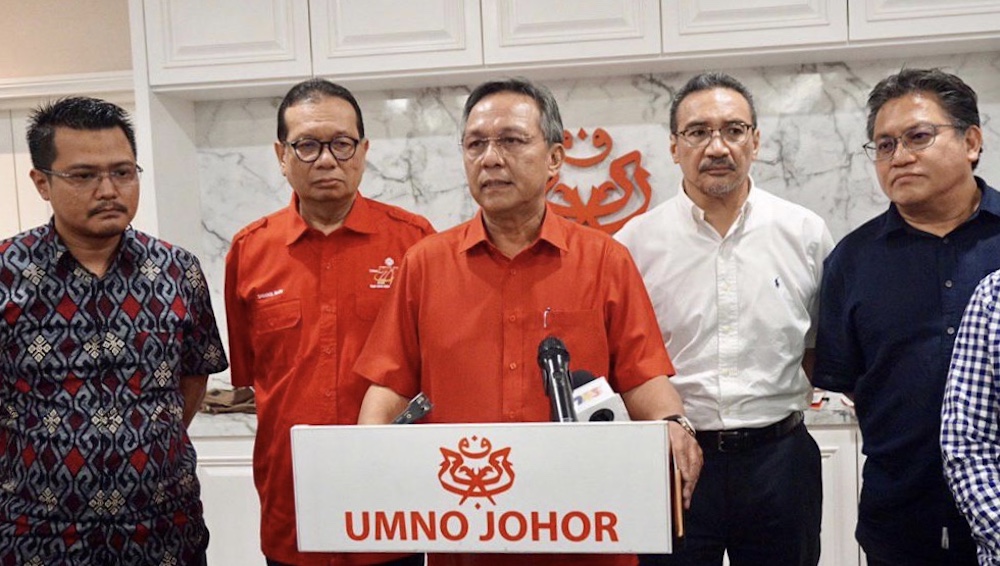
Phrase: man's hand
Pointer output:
(688, 456)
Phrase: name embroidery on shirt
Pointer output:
(269, 294)
(384, 274)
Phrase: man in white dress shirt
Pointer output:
(734, 274)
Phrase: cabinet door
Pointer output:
(32, 209)
(191, 41)
(9, 224)
(524, 31)
(709, 25)
(370, 36)
(891, 19)
(232, 509)
(838, 448)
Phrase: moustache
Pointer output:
(720, 163)
(114, 206)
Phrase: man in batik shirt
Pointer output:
(107, 338)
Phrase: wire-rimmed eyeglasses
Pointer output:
(121, 176)
(917, 138)
(733, 133)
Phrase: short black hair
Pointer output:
(78, 113)
(709, 81)
(313, 90)
(550, 120)
(955, 97)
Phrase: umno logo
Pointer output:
(476, 470)
(624, 194)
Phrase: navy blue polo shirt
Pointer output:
(890, 306)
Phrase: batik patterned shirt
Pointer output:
(97, 467)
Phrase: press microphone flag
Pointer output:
(594, 400)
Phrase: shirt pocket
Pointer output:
(583, 333)
(276, 334)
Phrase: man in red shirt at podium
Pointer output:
(471, 305)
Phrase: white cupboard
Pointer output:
(232, 509)
(372, 36)
(20, 206)
(527, 31)
(923, 20)
(189, 41)
(709, 26)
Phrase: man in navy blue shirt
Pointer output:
(892, 298)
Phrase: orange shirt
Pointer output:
(300, 306)
(464, 322)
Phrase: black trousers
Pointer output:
(413, 560)
(762, 505)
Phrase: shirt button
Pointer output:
(512, 318)
(948, 283)
(946, 240)
(327, 309)
(513, 365)
(951, 330)
(513, 272)
(327, 266)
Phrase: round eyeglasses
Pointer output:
(733, 133)
(917, 138)
(341, 147)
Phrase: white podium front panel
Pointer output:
(525, 487)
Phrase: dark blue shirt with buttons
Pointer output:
(891, 302)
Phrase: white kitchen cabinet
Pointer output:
(371, 36)
(710, 26)
(9, 222)
(20, 206)
(527, 31)
(923, 19)
(190, 41)
(232, 509)
(839, 450)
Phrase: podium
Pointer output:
(498, 487)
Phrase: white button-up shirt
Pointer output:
(736, 311)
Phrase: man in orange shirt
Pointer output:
(472, 304)
(303, 286)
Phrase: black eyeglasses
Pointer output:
(917, 138)
(341, 147)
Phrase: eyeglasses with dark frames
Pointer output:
(341, 147)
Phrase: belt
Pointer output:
(737, 439)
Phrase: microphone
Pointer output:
(416, 409)
(554, 361)
(595, 401)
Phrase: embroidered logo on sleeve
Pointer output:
(383, 274)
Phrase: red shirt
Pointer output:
(464, 322)
(300, 306)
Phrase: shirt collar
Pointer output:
(360, 219)
(989, 203)
(698, 215)
(129, 248)
(553, 232)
